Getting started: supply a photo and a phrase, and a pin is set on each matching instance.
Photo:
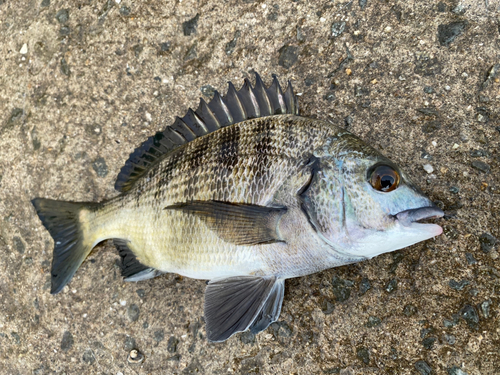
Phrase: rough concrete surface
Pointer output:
(82, 83)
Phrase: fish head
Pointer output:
(363, 204)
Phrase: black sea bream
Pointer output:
(245, 193)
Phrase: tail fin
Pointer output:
(62, 220)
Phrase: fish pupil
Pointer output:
(386, 182)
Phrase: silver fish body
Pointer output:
(245, 205)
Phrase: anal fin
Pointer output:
(132, 269)
(272, 308)
(235, 304)
(237, 223)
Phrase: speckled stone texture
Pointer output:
(82, 83)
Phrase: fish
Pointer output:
(244, 192)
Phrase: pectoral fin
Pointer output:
(233, 305)
(237, 223)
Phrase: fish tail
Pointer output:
(65, 222)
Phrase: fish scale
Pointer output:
(246, 193)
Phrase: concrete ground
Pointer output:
(83, 83)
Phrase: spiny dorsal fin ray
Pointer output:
(236, 106)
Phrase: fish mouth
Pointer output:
(409, 217)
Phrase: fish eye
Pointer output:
(384, 178)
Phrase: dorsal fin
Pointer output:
(237, 106)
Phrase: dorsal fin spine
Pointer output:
(233, 102)
(199, 121)
(253, 110)
(262, 98)
(238, 105)
(206, 113)
(219, 109)
(290, 100)
(279, 94)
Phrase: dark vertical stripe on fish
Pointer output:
(264, 148)
(166, 173)
(199, 153)
(229, 145)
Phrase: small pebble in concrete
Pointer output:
(493, 73)
(16, 337)
(425, 155)
(470, 315)
(449, 32)
(364, 355)
(67, 341)
(330, 96)
(431, 126)
(481, 166)
(129, 343)
(338, 28)
(364, 286)
(327, 306)
(470, 258)
(133, 312)
(125, 11)
(459, 9)
(159, 335)
(231, 45)
(428, 342)
(409, 310)
(348, 121)
(301, 37)
(391, 286)
(189, 27)
(172, 344)
(19, 245)
(425, 331)
(100, 167)
(164, 49)
(450, 339)
(88, 357)
(423, 368)
(64, 31)
(373, 321)
(451, 323)
(288, 56)
(247, 337)
(281, 329)
(16, 115)
(62, 16)
(341, 288)
(207, 90)
(428, 168)
(65, 68)
(455, 371)
(485, 308)
(458, 285)
(487, 242)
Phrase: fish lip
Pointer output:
(415, 214)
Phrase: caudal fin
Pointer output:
(62, 220)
